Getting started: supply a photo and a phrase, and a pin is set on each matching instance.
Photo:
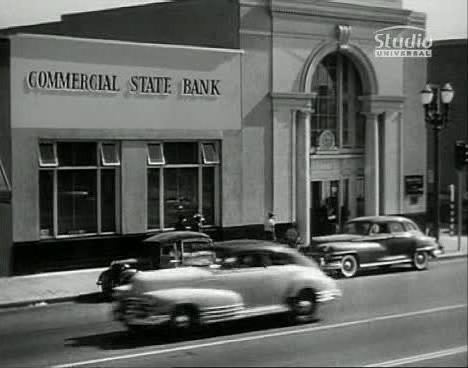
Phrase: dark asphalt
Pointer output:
(400, 317)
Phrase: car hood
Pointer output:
(336, 238)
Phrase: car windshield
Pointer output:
(357, 227)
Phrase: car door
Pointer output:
(246, 275)
(281, 272)
(379, 233)
(400, 244)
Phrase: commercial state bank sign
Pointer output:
(149, 85)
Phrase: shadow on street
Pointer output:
(124, 339)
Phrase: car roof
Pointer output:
(380, 218)
(175, 236)
(250, 245)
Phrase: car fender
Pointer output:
(315, 280)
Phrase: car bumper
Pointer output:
(154, 320)
(328, 295)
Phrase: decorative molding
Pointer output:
(346, 11)
(326, 141)
(343, 33)
(355, 53)
(377, 104)
(298, 101)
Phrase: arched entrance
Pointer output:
(337, 144)
(340, 79)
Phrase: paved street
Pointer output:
(400, 317)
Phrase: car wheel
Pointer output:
(184, 319)
(349, 266)
(303, 307)
(420, 260)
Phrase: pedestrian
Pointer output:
(180, 224)
(292, 236)
(269, 227)
(197, 222)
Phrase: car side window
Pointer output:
(396, 227)
(410, 227)
(280, 259)
(249, 260)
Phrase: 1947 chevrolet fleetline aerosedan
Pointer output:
(247, 278)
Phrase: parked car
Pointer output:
(378, 241)
(161, 251)
(248, 278)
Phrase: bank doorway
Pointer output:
(333, 202)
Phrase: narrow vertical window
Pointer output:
(154, 217)
(108, 195)
(46, 202)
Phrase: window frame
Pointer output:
(205, 161)
(161, 149)
(54, 148)
(354, 89)
(200, 165)
(102, 155)
(99, 168)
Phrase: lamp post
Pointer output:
(436, 101)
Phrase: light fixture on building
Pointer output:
(436, 103)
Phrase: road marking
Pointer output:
(260, 337)
(421, 357)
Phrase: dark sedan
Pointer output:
(377, 241)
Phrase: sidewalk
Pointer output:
(56, 287)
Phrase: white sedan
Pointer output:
(248, 278)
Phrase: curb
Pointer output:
(450, 256)
(40, 302)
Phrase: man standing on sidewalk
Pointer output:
(269, 227)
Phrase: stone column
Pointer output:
(371, 169)
(303, 174)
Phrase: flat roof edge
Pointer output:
(118, 42)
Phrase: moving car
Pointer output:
(161, 251)
(248, 278)
(377, 241)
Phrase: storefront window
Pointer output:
(338, 86)
(78, 195)
(182, 181)
(180, 194)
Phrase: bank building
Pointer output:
(116, 122)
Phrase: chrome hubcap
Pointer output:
(182, 320)
(348, 265)
(420, 258)
(303, 306)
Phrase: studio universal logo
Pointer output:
(402, 41)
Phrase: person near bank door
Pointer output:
(270, 224)
(292, 236)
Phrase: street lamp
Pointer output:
(436, 103)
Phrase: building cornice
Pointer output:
(377, 104)
(322, 8)
(300, 101)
